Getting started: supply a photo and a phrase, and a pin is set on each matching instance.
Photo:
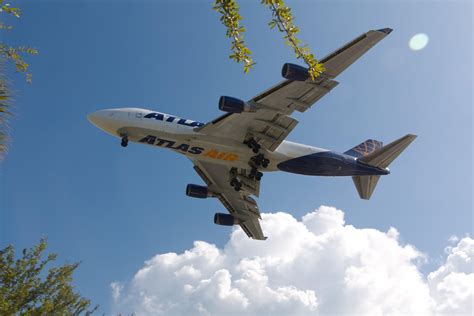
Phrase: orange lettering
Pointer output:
(231, 157)
(221, 156)
(212, 153)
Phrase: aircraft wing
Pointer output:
(239, 203)
(271, 123)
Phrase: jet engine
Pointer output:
(294, 72)
(234, 105)
(198, 191)
(225, 219)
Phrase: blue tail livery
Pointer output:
(365, 148)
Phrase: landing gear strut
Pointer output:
(124, 142)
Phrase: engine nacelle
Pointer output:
(225, 219)
(294, 72)
(234, 105)
(197, 191)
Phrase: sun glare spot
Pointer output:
(418, 41)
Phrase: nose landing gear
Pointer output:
(124, 142)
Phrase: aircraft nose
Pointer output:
(100, 118)
(94, 118)
(91, 117)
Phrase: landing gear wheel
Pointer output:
(238, 186)
(265, 163)
(124, 142)
(260, 160)
(251, 143)
(258, 176)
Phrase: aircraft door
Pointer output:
(138, 115)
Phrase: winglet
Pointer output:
(386, 30)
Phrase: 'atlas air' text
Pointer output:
(186, 148)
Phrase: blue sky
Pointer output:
(112, 208)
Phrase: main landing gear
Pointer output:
(251, 143)
(259, 160)
(256, 161)
(124, 142)
(236, 184)
(254, 173)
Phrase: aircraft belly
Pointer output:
(232, 154)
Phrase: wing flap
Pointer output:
(270, 133)
(319, 90)
(253, 229)
(294, 95)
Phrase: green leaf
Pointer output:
(283, 20)
(230, 18)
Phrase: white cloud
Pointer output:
(317, 266)
(116, 288)
(452, 285)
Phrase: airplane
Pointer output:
(231, 152)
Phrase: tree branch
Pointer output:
(231, 19)
(283, 19)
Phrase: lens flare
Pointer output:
(418, 41)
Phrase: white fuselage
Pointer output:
(178, 134)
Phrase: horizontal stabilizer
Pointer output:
(365, 185)
(365, 148)
(384, 156)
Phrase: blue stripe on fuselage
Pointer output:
(329, 163)
(172, 119)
